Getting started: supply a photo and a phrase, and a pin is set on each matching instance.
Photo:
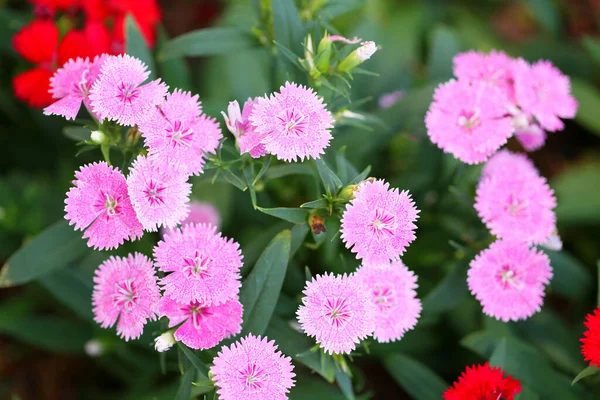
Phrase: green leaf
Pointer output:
(362, 176)
(331, 181)
(546, 13)
(54, 248)
(263, 169)
(571, 278)
(592, 45)
(417, 379)
(233, 179)
(261, 288)
(334, 8)
(589, 371)
(299, 232)
(280, 171)
(208, 42)
(289, 31)
(588, 98)
(448, 293)
(444, 45)
(319, 204)
(10, 23)
(578, 194)
(175, 71)
(72, 288)
(136, 45)
(77, 133)
(294, 215)
(345, 383)
(199, 365)
(185, 387)
(345, 170)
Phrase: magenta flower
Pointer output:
(178, 134)
(468, 120)
(252, 368)
(100, 205)
(204, 266)
(202, 327)
(338, 311)
(392, 288)
(118, 94)
(293, 123)
(544, 92)
(159, 194)
(125, 290)
(200, 213)
(378, 224)
(238, 123)
(508, 279)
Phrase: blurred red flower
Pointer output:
(481, 382)
(590, 347)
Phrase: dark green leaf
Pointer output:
(289, 31)
(280, 171)
(208, 42)
(362, 176)
(592, 45)
(72, 288)
(10, 23)
(334, 8)
(588, 98)
(294, 215)
(77, 133)
(299, 232)
(321, 203)
(578, 194)
(444, 46)
(263, 169)
(571, 278)
(417, 379)
(198, 365)
(54, 248)
(185, 387)
(345, 383)
(233, 179)
(448, 293)
(175, 71)
(331, 181)
(136, 44)
(261, 288)
(589, 371)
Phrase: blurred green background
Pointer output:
(45, 324)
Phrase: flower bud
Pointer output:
(94, 348)
(164, 342)
(347, 193)
(233, 118)
(98, 137)
(553, 242)
(324, 53)
(358, 56)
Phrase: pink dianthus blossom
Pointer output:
(100, 205)
(379, 223)
(544, 92)
(468, 120)
(392, 288)
(238, 123)
(118, 93)
(125, 289)
(200, 213)
(159, 193)
(338, 311)
(508, 279)
(204, 266)
(293, 123)
(532, 138)
(202, 327)
(178, 134)
(505, 162)
(252, 368)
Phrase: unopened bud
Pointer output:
(358, 56)
(98, 137)
(233, 118)
(347, 193)
(94, 348)
(164, 342)
(553, 242)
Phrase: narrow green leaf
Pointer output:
(198, 365)
(77, 133)
(578, 193)
(362, 176)
(589, 371)
(444, 45)
(249, 176)
(345, 383)
(571, 279)
(289, 31)
(280, 171)
(448, 293)
(136, 44)
(185, 387)
(334, 8)
(299, 232)
(321, 203)
(72, 288)
(345, 170)
(331, 181)
(233, 179)
(208, 42)
(175, 71)
(54, 248)
(417, 379)
(294, 215)
(588, 98)
(261, 288)
(592, 45)
(263, 169)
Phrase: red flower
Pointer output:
(145, 12)
(481, 382)
(54, 5)
(590, 347)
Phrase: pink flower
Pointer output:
(203, 265)
(392, 288)
(508, 279)
(495, 68)
(200, 213)
(159, 194)
(387, 100)
(532, 138)
(100, 205)
(544, 92)
(125, 289)
(508, 163)
(338, 311)
(468, 120)
(516, 205)
(252, 368)
(70, 84)
(119, 95)
(378, 224)
(293, 123)
(177, 133)
(202, 327)
(238, 123)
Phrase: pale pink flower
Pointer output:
(366, 50)
(200, 213)
(379, 223)
(508, 279)
(238, 123)
(159, 194)
(337, 311)
(178, 134)
(118, 93)
(387, 100)
(544, 92)
(125, 290)
(392, 289)
(293, 123)
(252, 368)
(201, 326)
(505, 162)
(468, 120)
(495, 68)
(69, 84)
(100, 205)
(204, 266)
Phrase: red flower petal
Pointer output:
(146, 29)
(32, 86)
(144, 11)
(98, 38)
(96, 10)
(55, 4)
(481, 382)
(73, 45)
(590, 347)
(37, 41)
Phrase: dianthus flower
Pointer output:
(533, 138)
(508, 279)
(100, 203)
(238, 123)
(125, 289)
(508, 163)
(544, 92)
(378, 223)
(71, 84)
(392, 288)
(468, 120)
(590, 343)
(495, 68)
(293, 123)
(202, 327)
(516, 206)
(159, 194)
(482, 382)
(119, 95)
(178, 134)
(338, 311)
(200, 213)
(252, 368)
(204, 266)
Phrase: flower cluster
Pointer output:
(41, 43)
(493, 98)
